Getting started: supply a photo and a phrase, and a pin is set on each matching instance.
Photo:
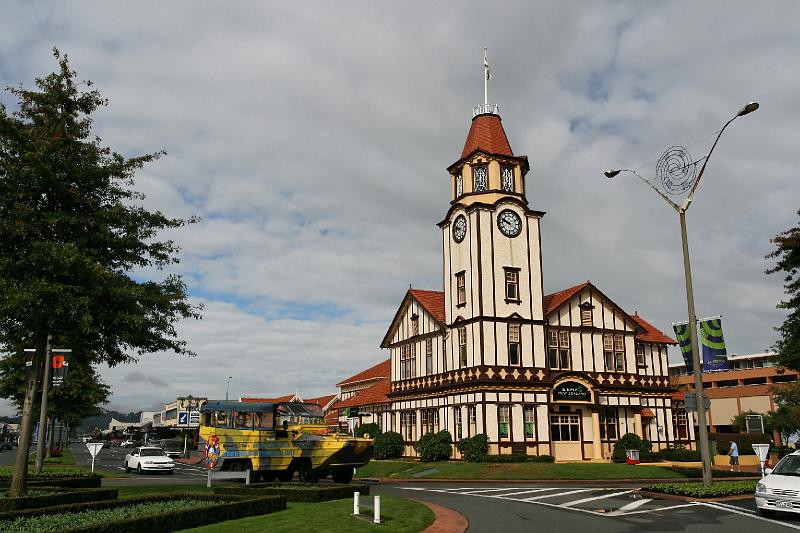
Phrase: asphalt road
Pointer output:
(516, 507)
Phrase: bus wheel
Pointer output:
(342, 475)
(285, 475)
(268, 476)
(307, 474)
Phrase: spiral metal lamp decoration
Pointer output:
(676, 170)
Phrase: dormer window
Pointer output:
(507, 178)
(480, 178)
(459, 185)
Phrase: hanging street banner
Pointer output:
(59, 358)
(714, 354)
(685, 342)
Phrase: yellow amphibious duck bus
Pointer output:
(275, 440)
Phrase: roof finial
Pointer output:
(486, 107)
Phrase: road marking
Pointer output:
(659, 509)
(534, 498)
(631, 506)
(728, 509)
(584, 500)
(519, 492)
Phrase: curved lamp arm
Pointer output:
(613, 173)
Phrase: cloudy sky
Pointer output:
(312, 139)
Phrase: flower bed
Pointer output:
(297, 492)
(149, 513)
(50, 496)
(698, 490)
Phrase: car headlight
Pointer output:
(760, 487)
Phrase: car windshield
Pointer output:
(789, 466)
(152, 452)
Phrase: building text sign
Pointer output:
(571, 391)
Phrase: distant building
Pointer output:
(188, 404)
(743, 388)
(367, 391)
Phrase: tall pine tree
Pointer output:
(71, 233)
(787, 255)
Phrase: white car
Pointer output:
(779, 490)
(148, 459)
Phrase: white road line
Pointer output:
(534, 498)
(477, 492)
(744, 513)
(520, 492)
(631, 506)
(659, 509)
(584, 500)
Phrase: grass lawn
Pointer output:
(397, 515)
(458, 470)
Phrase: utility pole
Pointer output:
(43, 410)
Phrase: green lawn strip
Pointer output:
(508, 471)
(148, 490)
(696, 489)
(397, 515)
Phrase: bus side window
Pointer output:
(222, 419)
(239, 420)
(208, 419)
(264, 420)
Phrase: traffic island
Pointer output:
(696, 491)
(297, 492)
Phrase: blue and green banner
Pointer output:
(685, 343)
(714, 354)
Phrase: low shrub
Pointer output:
(744, 441)
(474, 449)
(370, 429)
(6, 473)
(296, 492)
(433, 447)
(177, 511)
(698, 472)
(49, 496)
(388, 445)
(630, 441)
(677, 453)
(542, 459)
(698, 490)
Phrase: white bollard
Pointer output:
(356, 496)
(377, 506)
(208, 481)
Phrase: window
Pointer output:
(513, 344)
(461, 289)
(480, 178)
(507, 178)
(459, 186)
(512, 285)
(457, 421)
(558, 349)
(472, 419)
(640, 360)
(408, 425)
(414, 325)
(430, 421)
(565, 428)
(608, 423)
(503, 416)
(681, 424)
(529, 418)
(614, 352)
(586, 316)
(429, 356)
(408, 361)
(462, 345)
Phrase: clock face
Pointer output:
(480, 177)
(459, 228)
(507, 179)
(509, 223)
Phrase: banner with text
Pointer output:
(685, 343)
(714, 354)
(60, 361)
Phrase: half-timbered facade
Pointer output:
(563, 374)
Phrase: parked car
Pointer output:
(127, 443)
(779, 490)
(148, 459)
(172, 448)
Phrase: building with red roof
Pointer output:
(565, 373)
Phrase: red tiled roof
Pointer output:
(287, 398)
(432, 301)
(381, 370)
(678, 396)
(322, 401)
(647, 413)
(551, 302)
(372, 395)
(653, 334)
(487, 133)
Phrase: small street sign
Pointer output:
(183, 418)
(754, 423)
(690, 401)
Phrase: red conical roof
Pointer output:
(487, 133)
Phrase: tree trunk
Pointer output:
(40, 441)
(21, 465)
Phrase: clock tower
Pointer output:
(492, 257)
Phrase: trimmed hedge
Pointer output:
(744, 441)
(689, 472)
(474, 449)
(388, 445)
(59, 496)
(84, 482)
(219, 509)
(698, 490)
(296, 492)
(7, 473)
(433, 447)
(677, 453)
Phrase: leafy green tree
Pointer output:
(787, 255)
(786, 418)
(71, 234)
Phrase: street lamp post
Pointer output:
(228, 387)
(670, 167)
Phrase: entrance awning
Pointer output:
(647, 413)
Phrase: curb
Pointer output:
(447, 520)
(660, 496)
(547, 481)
